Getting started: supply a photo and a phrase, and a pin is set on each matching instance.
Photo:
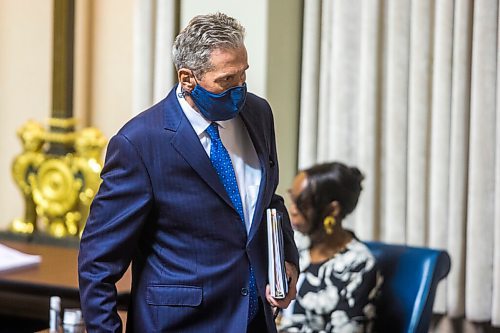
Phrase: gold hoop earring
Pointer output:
(328, 224)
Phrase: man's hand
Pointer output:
(292, 274)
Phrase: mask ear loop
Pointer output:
(194, 77)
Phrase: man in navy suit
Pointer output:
(185, 188)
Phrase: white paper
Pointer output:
(11, 259)
(276, 257)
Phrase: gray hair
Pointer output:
(204, 33)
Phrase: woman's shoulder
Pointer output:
(357, 256)
(359, 247)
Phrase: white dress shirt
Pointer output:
(234, 136)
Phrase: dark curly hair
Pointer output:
(329, 182)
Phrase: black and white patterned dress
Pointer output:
(337, 295)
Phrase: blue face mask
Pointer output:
(223, 106)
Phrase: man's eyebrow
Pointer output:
(234, 72)
(223, 76)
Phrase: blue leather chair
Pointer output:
(411, 276)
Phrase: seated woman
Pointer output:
(339, 279)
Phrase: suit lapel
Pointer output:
(259, 145)
(188, 145)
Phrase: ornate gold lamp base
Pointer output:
(22, 226)
(57, 189)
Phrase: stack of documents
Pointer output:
(11, 259)
(276, 273)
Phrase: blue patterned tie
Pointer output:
(222, 163)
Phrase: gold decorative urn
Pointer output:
(57, 188)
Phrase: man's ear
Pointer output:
(186, 79)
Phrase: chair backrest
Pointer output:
(411, 276)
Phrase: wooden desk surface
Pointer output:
(27, 290)
(58, 270)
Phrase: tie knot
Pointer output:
(213, 131)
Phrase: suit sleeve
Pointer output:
(111, 234)
(277, 202)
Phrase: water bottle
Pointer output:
(73, 321)
(55, 314)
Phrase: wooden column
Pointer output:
(62, 120)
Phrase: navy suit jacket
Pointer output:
(162, 207)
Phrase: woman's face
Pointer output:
(298, 220)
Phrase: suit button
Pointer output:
(244, 291)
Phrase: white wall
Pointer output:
(111, 68)
(25, 86)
